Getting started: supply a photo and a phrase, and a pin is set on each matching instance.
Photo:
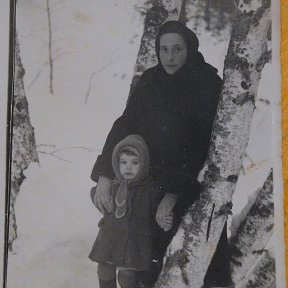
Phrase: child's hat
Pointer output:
(136, 144)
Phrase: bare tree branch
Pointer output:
(89, 87)
(50, 45)
(55, 151)
(53, 155)
(93, 74)
(37, 75)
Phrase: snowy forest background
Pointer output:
(93, 50)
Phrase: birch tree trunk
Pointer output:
(191, 250)
(23, 141)
(248, 244)
(263, 273)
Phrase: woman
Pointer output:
(172, 107)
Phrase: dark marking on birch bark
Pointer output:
(264, 275)
(212, 174)
(259, 13)
(244, 85)
(19, 106)
(261, 251)
(179, 258)
(225, 209)
(197, 217)
(244, 98)
(220, 130)
(269, 228)
(266, 57)
(235, 262)
(232, 178)
(262, 211)
(209, 222)
(235, 61)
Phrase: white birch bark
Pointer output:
(191, 250)
(262, 274)
(248, 244)
(23, 141)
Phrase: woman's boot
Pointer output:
(128, 279)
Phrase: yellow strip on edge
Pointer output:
(284, 64)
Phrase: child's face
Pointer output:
(129, 166)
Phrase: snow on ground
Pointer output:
(57, 222)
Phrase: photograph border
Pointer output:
(5, 112)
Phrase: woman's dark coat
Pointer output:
(174, 114)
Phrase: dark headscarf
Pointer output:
(194, 57)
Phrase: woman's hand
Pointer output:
(102, 198)
(165, 208)
(167, 223)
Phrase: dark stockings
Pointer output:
(128, 279)
(107, 277)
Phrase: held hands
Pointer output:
(102, 198)
(164, 216)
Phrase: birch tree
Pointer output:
(23, 140)
(262, 274)
(248, 246)
(191, 250)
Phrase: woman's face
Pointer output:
(173, 52)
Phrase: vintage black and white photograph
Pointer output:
(144, 147)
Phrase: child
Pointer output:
(127, 233)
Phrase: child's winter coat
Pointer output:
(128, 241)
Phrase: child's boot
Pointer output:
(107, 283)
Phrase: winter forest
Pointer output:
(74, 65)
